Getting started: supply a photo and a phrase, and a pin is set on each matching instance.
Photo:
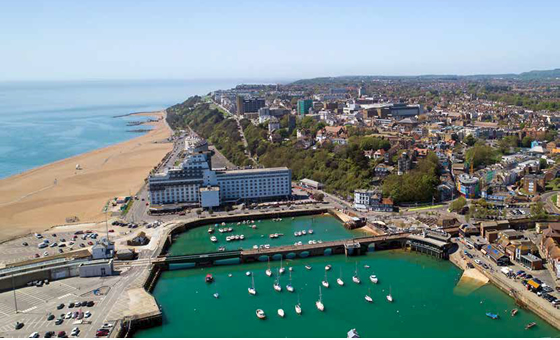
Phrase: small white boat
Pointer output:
(237, 237)
(260, 314)
(230, 229)
(309, 242)
(310, 231)
(373, 278)
(276, 235)
(221, 230)
(210, 230)
(319, 303)
(255, 247)
(281, 313)
(282, 269)
(303, 232)
(390, 296)
(328, 267)
(290, 288)
(290, 268)
(267, 246)
(268, 272)
(223, 223)
(356, 279)
(340, 282)
(242, 237)
(214, 239)
(252, 289)
(295, 233)
(298, 233)
(216, 295)
(228, 239)
(254, 226)
(368, 298)
(366, 266)
(319, 241)
(325, 283)
(277, 287)
(308, 267)
(248, 273)
(300, 243)
(298, 309)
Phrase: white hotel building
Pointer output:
(194, 182)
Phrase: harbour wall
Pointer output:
(500, 281)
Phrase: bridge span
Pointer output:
(349, 247)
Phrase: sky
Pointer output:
(283, 39)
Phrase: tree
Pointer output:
(458, 204)
(543, 163)
(538, 212)
(319, 197)
(470, 140)
(526, 142)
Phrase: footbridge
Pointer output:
(348, 247)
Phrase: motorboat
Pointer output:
(319, 303)
(492, 315)
(310, 231)
(210, 230)
(514, 312)
(216, 295)
(220, 230)
(356, 279)
(209, 278)
(260, 314)
(368, 298)
(230, 229)
(237, 237)
(328, 267)
(214, 239)
(255, 247)
(248, 273)
(366, 266)
(309, 242)
(228, 238)
(295, 233)
(340, 282)
(241, 237)
(530, 325)
(373, 278)
(281, 312)
(277, 287)
(352, 334)
(223, 223)
(290, 268)
(308, 267)
(303, 232)
(222, 249)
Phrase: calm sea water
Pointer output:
(427, 302)
(43, 122)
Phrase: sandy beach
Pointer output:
(31, 201)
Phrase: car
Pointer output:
(528, 276)
(62, 240)
(82, 245)
(54, 235)
(68, 315)
(90, 303)
(90, 243)
(34, 335)
(42, 245)
(71, 243)
(147, 204)
(102, 332)
(46, 253)
(84, 303)
(77, 304)
(537, 281)
(39, 284)
(36, 255)
(62, 245)
(79, 232)
(59, 322)
(61, 334)
(89, 231)
(54, 244)
(75, 331)
(19, 325)
(71, 305)
(107, 325)
(50, 317)
(49, 334)
(25, 244)
(60, 306)
(111, 230)
(75, 315)
(87, 314)
(60, 251)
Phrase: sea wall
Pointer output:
(521, 297)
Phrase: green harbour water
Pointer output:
(427, 302)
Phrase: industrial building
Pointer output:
(96, 268)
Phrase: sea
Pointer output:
(43, 122)
(427, 301)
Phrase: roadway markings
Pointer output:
(29, 309)
(65, 295)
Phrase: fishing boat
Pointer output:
(373, 278)
(252, 289)
(276, 285)
(216, 295)
(368, 296)
(214, 239)
(282, 269)
(319, 303)
(530, 325)
(281, 312)
(390, 296)
(260, 314)
(268, 272)
(355, 278)
(513, 312)
(328, 267)
(308, 267)
(339, 280)
(289, 286)
(209, 278)
(210, 230)
(492, 315)
(325, 281)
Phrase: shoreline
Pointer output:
(40, 167)
(38, 198)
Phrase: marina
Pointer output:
(418, 303)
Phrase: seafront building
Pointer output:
(194, 182)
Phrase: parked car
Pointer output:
(34, 335)
(50, 317)
(75, 331)
(87, 314)
(19, 325)
(60, 306)
(59, 321)
(25, 244)
(90, 303)
(49, 334)
(61, 334)
(102, 332)
(71, 305)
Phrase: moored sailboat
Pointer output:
(252, 289)
(319, 303)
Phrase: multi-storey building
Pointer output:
(195, 182)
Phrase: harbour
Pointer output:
(430, 306)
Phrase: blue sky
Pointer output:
(284, 39)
